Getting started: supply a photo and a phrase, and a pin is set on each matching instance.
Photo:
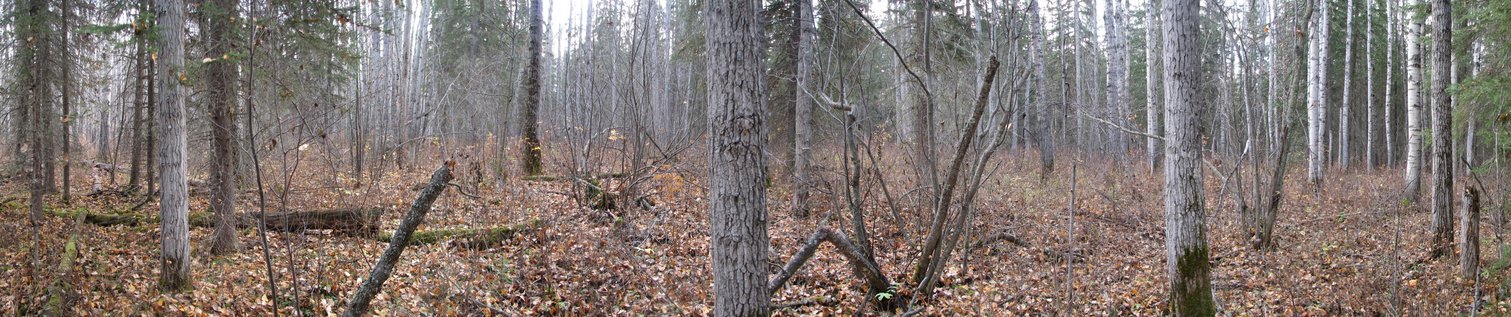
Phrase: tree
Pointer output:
(1413, 108)
(1044, 112)
(1442, 136)
(531, 109)
(1346, 105)
(1317, 96)
(1152, 111)
(1185, 226)
(171, 150)
(737, 160)
(804, 107)
(219, 19)
(1117, 72)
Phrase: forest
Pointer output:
(755, 157)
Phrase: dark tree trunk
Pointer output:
(737, 161)
(218, 17)
(1442, 125)
(531, 109)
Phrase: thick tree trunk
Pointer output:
(531, 109)
(1317, 96)
(737, 161)
(1413, 110)
(1185, 225)
(219, 21)
(171, 150)
(1442, 127)
(803, 113)
(362, 298)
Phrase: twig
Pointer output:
(459, 190)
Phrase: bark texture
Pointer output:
(171, 147)
(1442, 127)
(737, 161)
(1316, 91)
(1414, 109)
(1185, 223)
(218, 17)
(358, 304)
(531, 109)
(804, 104)
(1117, 72)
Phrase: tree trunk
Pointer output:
(531, 108)
(1152, 111)
(737, 162)
(1317, 96)
(1185, 226)
(1442, 127)
(1045, 118)
(1117, 73)
(1370, 134)
(171, 150)
(138, 104)
(358, 304)
(1413, 110)
(218, 17)
(1344, 135)
(1469, 240)
(804, 107)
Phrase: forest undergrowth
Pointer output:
(1349, 247)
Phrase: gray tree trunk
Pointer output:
(171, 148)
(737, 162)
(1152, 124)
(804, 107)
(1370, 134)
(1117, 72)
(1442, 127)
(1317, 96)
(1469, 240)
(220, 77)
(358, 304)
(1045, 118)
(1185, 226)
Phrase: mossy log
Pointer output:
(54, 305)
(472, 238)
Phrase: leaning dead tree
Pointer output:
(359, 302)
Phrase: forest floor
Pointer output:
(1347, 248)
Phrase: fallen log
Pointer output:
(360, 301)
(472, 238)
(352, 221)
(55, 292)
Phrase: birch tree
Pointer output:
(1317, 96)
(1117, 72)
(1413, 108)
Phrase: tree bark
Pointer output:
(1045, 117)
(1185, 226)
(1317, 96)
(1152, 111)
(1469, 240)
(1117, 73)
(1414, 109)
(171, 152)
(1442, 127)
(803, 113)
(362, 298)
(530, 111)
(1346, 104)
(219, 18)
(737, 161)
